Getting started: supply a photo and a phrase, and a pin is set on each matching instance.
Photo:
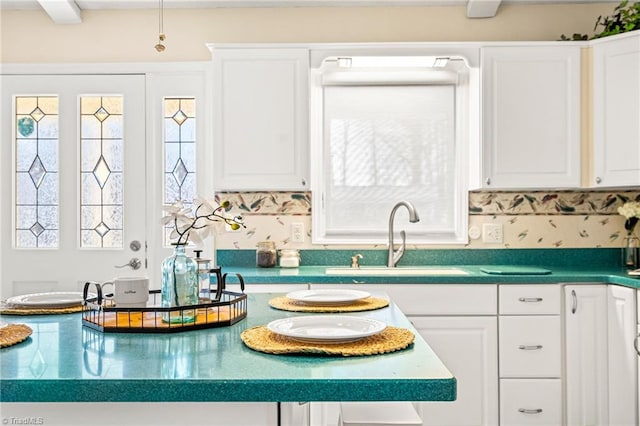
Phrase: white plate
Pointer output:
(327, 296)
(56, 299)
(326, 328)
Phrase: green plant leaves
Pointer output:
(626, 18)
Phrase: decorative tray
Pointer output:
(222, 309)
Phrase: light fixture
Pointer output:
(161, 37)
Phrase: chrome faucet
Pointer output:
(394, 256)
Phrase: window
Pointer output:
(36, 172)
(386, 134)
(101, 171)
(179, 153)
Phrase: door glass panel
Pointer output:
(36, 169)
(101, 171)
(179, 153)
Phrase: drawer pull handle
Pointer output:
(530, 299)
(635, 344)
(529, 411)
(574, 305)
(530, 347)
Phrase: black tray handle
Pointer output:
(240, 279)
(85, 292)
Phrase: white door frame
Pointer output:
(160, 76)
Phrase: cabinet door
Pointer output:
(531, 116)
(261, 119)
(616, 111)
(622, 356)
(586, 354)
(144, 413)
(468, 347)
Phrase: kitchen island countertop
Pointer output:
(64, 361)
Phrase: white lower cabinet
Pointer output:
(530, 353)
(526, 402)
(586, 355)
(294, 414)
(468, 347)
(636, 344)
(143, 413)
(622, 359)
(524, 355)
(601, 363)
(459, 322)
(530, 346)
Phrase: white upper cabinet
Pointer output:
(616, 111)
(261, 119)
(530, 116)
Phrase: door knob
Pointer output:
(134, 263)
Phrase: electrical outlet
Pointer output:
(297, 232)
(492, 233)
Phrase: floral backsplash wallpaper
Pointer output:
(533, 219)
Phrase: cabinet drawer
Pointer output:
(536, 299)
(530, 402)
(530, 346)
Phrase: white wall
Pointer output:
(129, 36)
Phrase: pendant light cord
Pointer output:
(161, 17)
(161, 37)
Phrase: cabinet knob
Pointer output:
(488, 181)
(304, 182)
(598, 180)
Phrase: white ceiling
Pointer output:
(70, 11)
(203, 4)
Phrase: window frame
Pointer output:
(466, 120)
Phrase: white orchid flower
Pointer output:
(176, 211)
(195, 225)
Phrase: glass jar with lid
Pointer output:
(289, 258)
(266, 254)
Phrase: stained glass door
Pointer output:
(72, 169)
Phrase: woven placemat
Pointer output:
(369, 304)
(14, 333)
(10, 310)
(390, 340)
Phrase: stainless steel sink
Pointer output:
(386, 271)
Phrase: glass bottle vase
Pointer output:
(631, 252)
(179, 286)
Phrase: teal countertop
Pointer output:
(64, 361)
(589, 265)
(317, 275)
